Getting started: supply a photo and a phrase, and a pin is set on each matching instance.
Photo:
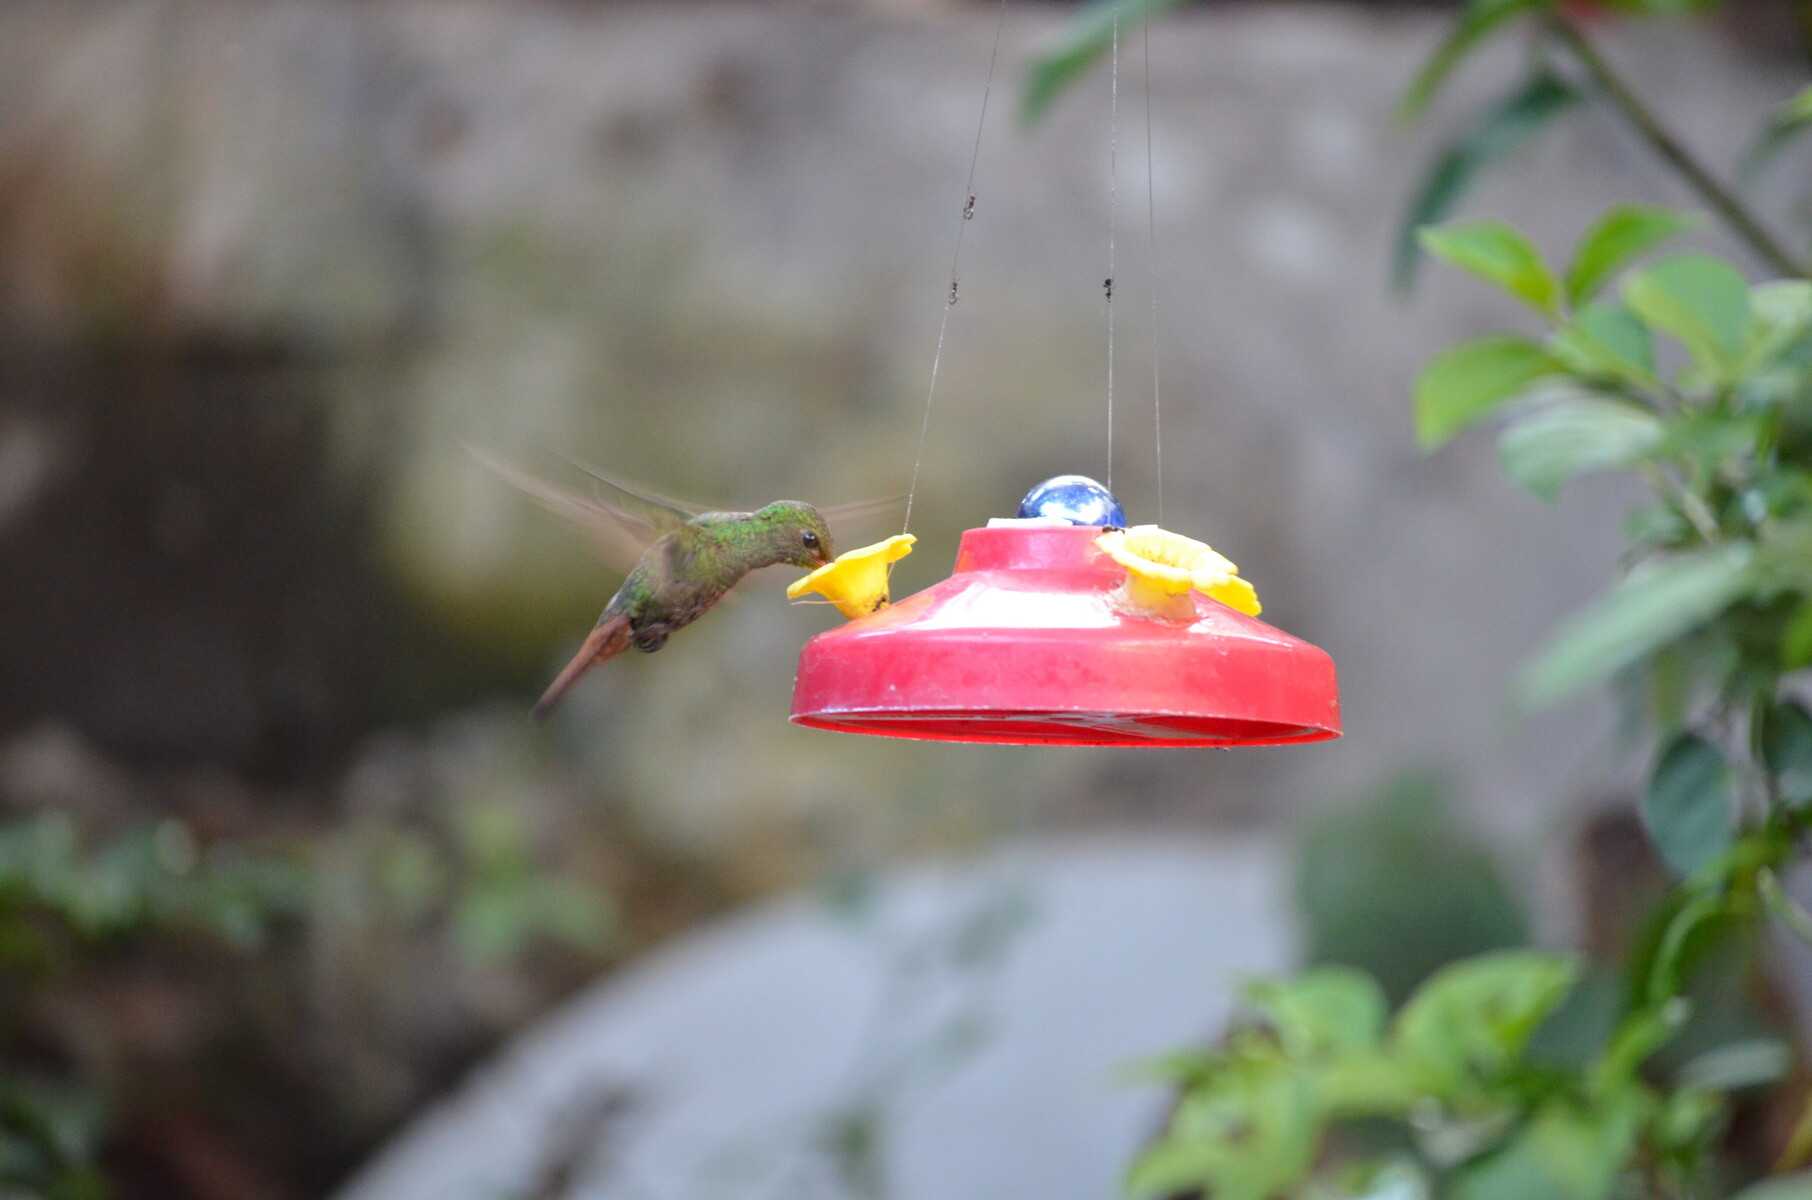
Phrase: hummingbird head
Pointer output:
(796, 533)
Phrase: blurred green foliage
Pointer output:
(69, 903)
(54, 891)
(1517, 1073)
(507, 903)
(62, 903)
(1701, 383)
(1724, 441)
(1564, 70)
(1481, 1113)
(50, 1140)
(1392, 886)
(1093, 34)
(479, 882)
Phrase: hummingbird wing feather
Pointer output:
(663, 513)
(638, 505)
(858, 513)
(859, 517)
(861, 508)
(619, 540)
(624, 519)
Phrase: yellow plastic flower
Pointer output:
(1162, 567)
(856, 580)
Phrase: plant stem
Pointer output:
(1691, 506)
(1663, 142)
(1758, 755)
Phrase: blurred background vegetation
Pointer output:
(282, 855)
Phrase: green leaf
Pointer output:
(1477, 21)
(1183, 1068)
(1565, 440)
(1248, 1136)
(1174, 1164)
(1745, 1064)
(1470, 1022)
(1498, 254)
(1497, 132)
(1657, 525)
(1781, 317)
(1465, 383)
(1326, 1009)
(1365, 1083)
(1620, 235)
(1567, 1152)
(1662, 691)
(1706, 436)
(1085, 40)
(1784, 908)
(1796, 640)
(1686, 808)
(1787, 750)
(1657, 602)
(1606, 340)
(1701, 301)
(1782, 303)
(1784, 561)
(1576, 1034)
(1686, 1122)
(1786, 123)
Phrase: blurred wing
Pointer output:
(861, 517)
(619, 538)
(636, 505)
(622, 519)
(663, 513)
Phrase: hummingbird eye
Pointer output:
(810, 539)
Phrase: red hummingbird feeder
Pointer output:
(1028, 642)
(1062, 627)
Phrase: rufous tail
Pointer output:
(607, 640)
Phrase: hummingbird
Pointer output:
(685, 557)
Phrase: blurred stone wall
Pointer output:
(705, 247)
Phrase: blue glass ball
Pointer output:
(1073, 498)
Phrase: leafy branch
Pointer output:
(1723, 201)
(1498, 130)
(1722, 557)
(1698, 382)
(1502, 128)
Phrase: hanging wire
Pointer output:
(1151, 243)
(1113, 197)
(956, 257)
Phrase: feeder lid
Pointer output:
(1026, 643)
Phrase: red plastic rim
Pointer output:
(1025, 644)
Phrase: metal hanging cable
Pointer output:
(956, 256)
(1113, 197)
(1151, 243)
